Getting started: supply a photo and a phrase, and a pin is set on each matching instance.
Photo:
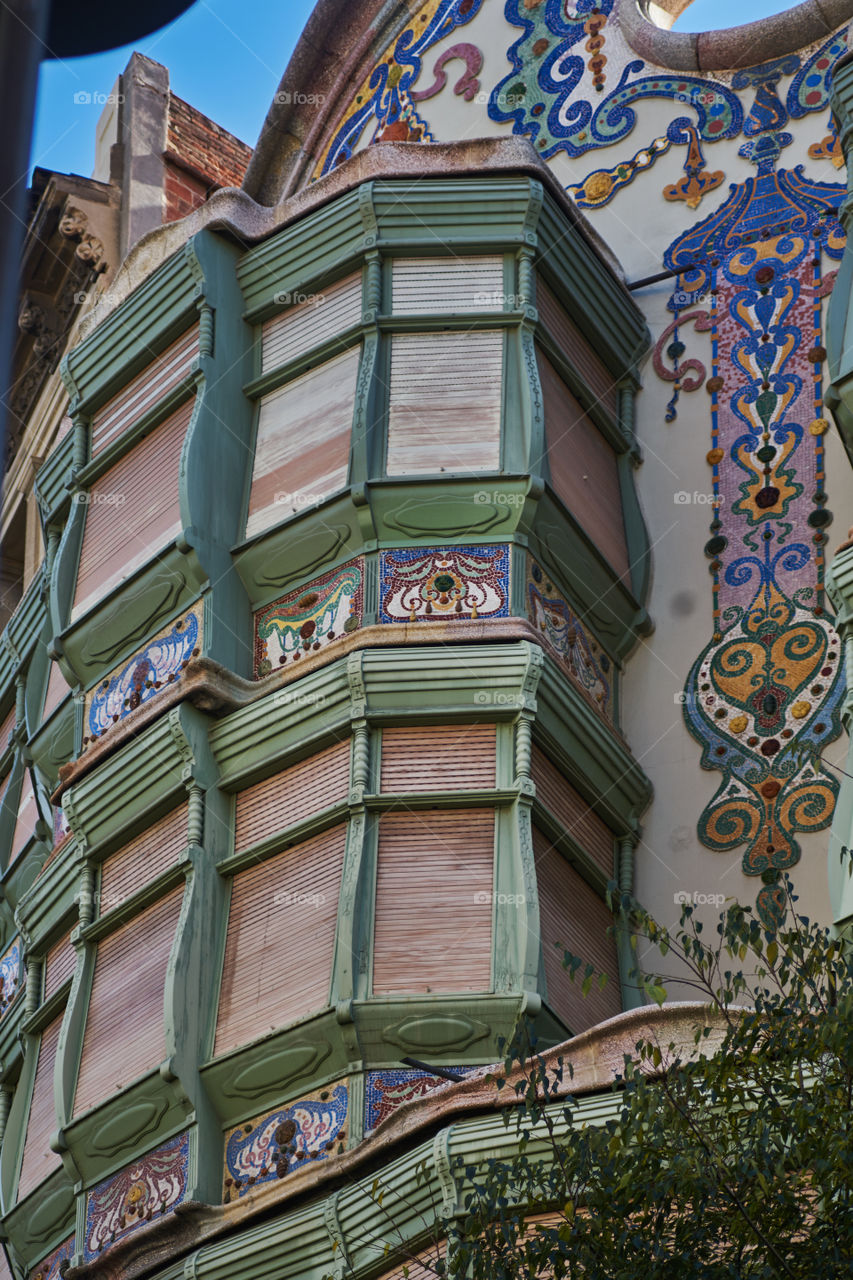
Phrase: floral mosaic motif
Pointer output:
(61, 829)
(55, 1264)
(385, 1091)
(311, 618)
(154, 668)
(384, 107)
(578, 654)
(281, 1141)
(540, 96)
(145, 1190)
(444, 583)
(11, 975)
(764, 696)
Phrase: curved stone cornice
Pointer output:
(745, 46)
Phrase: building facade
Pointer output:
(406, 545)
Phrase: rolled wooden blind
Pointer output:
(127, 996)
(433, 928)
(583, 466)
(9, 721)
(569, 807)
(38, 1160)
(573, 918)
(59, 964)
(144, 858)
(576, 348)
(445, 402)
(305, 788)
(303, 443)
(28, 816)
(281, 939)
(133, 511)
(57, 690)
(425, 285)
(155, 382)
(438, 758)
(312, 322)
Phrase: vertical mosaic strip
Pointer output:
(281, 1141)
(145, 1190)
(578, 654)
(160, 664)
(11, 976)
(385, 1091)
(763, 698)
(441, 584)
(309, 619)
(56, 1264)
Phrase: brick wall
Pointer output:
(200, 158)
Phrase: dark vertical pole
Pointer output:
(23, 24)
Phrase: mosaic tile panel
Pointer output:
(310, 618)
(443, 584)
(61, 829)
(11, 975)
(147, 1189)
(385, 1091)
(160, 664)
(281, 1141)
(577, 653)
(51, 1268)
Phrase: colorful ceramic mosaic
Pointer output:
(281, 1141)
(769, 683)
(444, 583)
(11, 975)
(61, 829)
(145, 1190)
(149, 672)
(56, 1264)
(579, 655)
(311, 618)
(384, 106)
(385, 1091)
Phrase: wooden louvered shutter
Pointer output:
(139, 396)
(39, 1160)
(576, 919)
(134, 511)
(305, 788)
(433, 929)
(568, 807)
(303, 444)
(57, 690)
(425, 286)
(576, 348)
(445, 402)
(140, 861)
(59, 964)
(126, 1005)
(9, 722)
(438, 758)
(281, 939)
(312, 322)
(584, 469)
(28, 816)
(5, 1272)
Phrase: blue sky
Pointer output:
(226, 57)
